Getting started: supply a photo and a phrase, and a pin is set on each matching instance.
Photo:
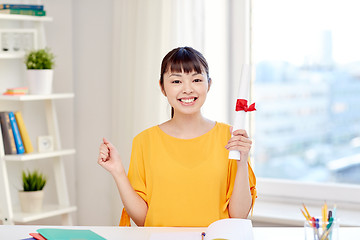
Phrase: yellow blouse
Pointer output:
(185, 182)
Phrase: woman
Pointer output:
(179, 173)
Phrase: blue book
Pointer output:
(22, 6)
(18, 141)
(68, 234)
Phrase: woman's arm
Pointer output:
(240, 200)
(135, 206)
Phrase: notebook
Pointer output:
(68, 234)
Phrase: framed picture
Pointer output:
(45, 143)
(15, 40)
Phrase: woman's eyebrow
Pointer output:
(175, 75)
(197, 74)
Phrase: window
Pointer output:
(307, 84)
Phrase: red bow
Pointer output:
(241, 105)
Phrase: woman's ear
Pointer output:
(210, 82)
(162, 88)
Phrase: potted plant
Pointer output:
(39, 64)
(32, 195)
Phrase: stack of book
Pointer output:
(23, 9)
(15, 137)
(16, 91)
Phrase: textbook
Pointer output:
(24, 133)
(16, 91)
(24, 12)
(17, 137)
(22, 6)
(227, 229)
(66, 234)
(7, 134)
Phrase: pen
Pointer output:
(329, 215)
(317, 228)
(328, 230)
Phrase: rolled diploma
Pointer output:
(239, 119)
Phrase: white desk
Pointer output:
(12, 232)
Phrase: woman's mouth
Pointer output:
(187, 100)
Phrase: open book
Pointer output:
(230, 229)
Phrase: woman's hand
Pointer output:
(240, 142)
(109, 158)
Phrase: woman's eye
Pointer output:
(176, 81)
(197, 80)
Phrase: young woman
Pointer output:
(179, 173)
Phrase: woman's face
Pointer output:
(186, 92)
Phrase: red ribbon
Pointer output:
(241, 105)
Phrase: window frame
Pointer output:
(290, 191)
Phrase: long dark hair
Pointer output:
(183, 59)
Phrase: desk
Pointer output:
(12, 232)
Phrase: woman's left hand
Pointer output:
(240, 142)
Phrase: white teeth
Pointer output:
(187, 100)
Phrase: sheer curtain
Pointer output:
(143, 32)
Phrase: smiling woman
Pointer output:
(180, 173)
(185, 76)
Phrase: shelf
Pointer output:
(36, 156)
(48, 211)
(12, 55)
(30, 97)
(24, 18)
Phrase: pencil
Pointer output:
(307, 212)
(202, 235)
(304, 214)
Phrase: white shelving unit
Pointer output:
(9, 212)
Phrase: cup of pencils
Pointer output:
(325, 227)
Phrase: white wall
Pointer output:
(81, 36)
(92, 39)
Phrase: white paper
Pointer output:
(239, 119)
(176, 236)
(231, 229)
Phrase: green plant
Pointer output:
(40, 59)
(33, 181)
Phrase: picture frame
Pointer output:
(45, 143)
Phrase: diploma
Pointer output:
(242, 106)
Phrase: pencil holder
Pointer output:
(316, 229)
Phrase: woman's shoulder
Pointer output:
(223, 126)
(147, 133)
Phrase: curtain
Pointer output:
(143, 32)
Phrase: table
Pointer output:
(12, 232)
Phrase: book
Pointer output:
(229, 229)
(7, 133)
(22, 6)
(16, 91)
(17, 137)
(30, 12)
(23, 132)
(68, 234)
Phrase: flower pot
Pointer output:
(31, 201)
(40, 81)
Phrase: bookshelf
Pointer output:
(10, 212)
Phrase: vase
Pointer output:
(31, 201)
(40, 81)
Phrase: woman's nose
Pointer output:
(187, 88)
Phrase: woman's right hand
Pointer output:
(109, 158)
